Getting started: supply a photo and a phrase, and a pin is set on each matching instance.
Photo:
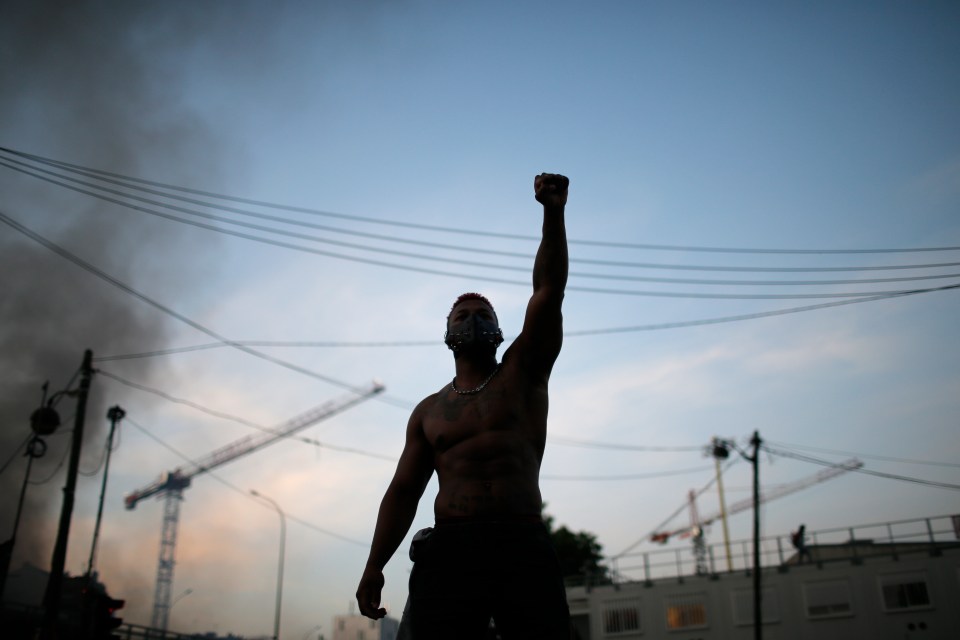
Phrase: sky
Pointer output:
(389, 150)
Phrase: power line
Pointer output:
(247, 423)
(127, 289)
(627, 476)
(53, 474)
(405, 267)
(453, 230)
(879, 474)
(434, 258)
(754, 316)
(311, 441)
(568, 334)
(571, 442)
(460, 248)
(15, 453)
(784, 445)
(270, 343)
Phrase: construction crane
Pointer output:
(171, 485)
(697, 524)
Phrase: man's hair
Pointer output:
(470, 296)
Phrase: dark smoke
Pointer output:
(78, 83)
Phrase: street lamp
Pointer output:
(180, 597)
(283, 540)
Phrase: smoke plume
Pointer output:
(77, 83)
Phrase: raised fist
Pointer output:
(551, 189)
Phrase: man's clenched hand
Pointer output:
(368, 594)
(551, 189)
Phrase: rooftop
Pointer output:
(690, 557)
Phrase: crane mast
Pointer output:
(171, 485)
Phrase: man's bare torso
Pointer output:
(488, 446)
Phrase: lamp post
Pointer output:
(283, 540)
(180, 597)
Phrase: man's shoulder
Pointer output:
(425, 405)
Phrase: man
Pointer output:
(489, 554)
(799, 540)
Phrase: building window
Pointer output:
(743, 607)
(686, 611)
(904, 591)
(621, 616)
(828, 599)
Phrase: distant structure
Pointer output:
(696, 529)
(357, 627)
(171, 485)
(885, 581)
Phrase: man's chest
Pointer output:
(455, 418)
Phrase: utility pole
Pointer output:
(757, 581)
(719, 453)
(721, 450)
(51, 597)
(115, 414)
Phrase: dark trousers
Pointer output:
(466, 573)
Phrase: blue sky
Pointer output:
(801, 126)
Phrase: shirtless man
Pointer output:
(489, 554)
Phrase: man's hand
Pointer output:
(368, 594)
(551, 189)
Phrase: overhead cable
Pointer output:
(126, 288)
(453, 230)
(406, 267)
(243, 421)
(16, 452)
(462, 248)
(783, 445)
(486, 265)
(567, 334)
(626, 476)
(571, 442)
(879, 474)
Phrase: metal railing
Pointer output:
(141, 632)
(850, 544)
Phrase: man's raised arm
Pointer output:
(543, 324)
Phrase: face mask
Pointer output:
(472, 332)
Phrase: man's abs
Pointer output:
(490, 475)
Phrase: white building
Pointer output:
(889, 581)
(357, 627)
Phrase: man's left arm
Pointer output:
(542, 334)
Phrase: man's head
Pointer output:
(472, 325)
